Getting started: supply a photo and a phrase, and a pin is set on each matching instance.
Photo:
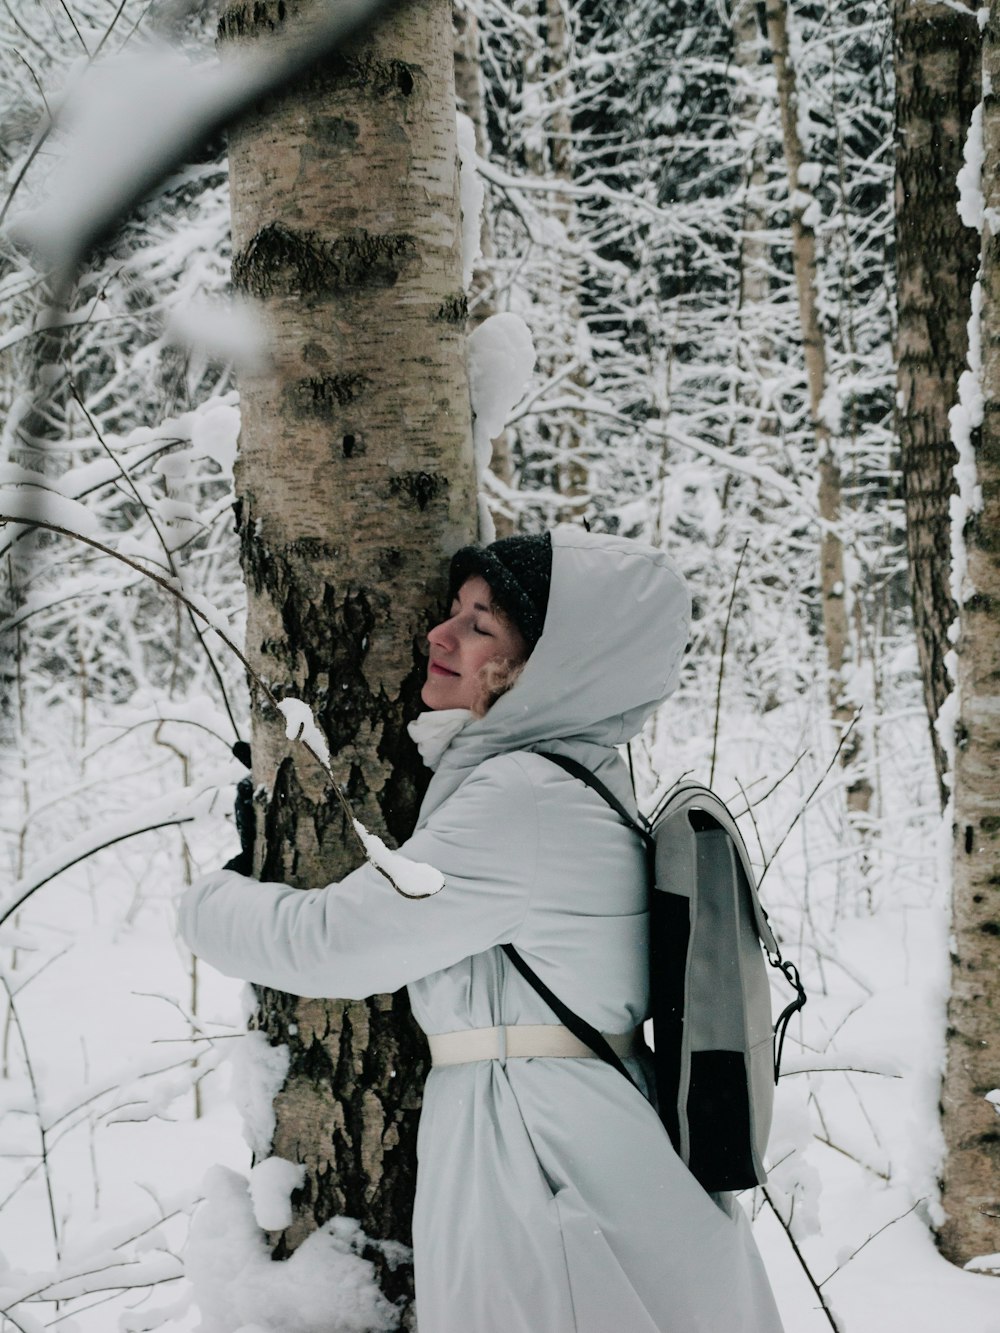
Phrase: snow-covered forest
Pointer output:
(688, 298)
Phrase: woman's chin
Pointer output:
(437, 695)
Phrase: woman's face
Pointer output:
(462, 645)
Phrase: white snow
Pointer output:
(301, 725)
(471, 193)
(271, 1184)
(215, 430)
(984, 1263)
(501, 357)
(414, 879)
(965, 417)
(970, 176)
(33, 504)
(257, 1074)
(325, 1287)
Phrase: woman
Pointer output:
(549, 1198)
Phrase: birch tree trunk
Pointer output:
(755, 346)
(938, 81)
(355, 484)
(971, 1195)
(836, 625)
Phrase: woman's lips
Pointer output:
(438, 670)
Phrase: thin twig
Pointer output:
(805, 805)
(35, 79)
(9, 1318)
(109, 30)
(722, 662)
(126, 476)
(44, 1163)
(261, 684)
(802, 1261)
(882, 1175)
(69, 14)
(753, 820)
(759, 800)
(98, 847)
(891, 1223)
(840, 1069)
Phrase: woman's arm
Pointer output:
(359, 937)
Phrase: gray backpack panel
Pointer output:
(712, 1020)
(715, 1052)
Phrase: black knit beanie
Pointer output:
(518, 570)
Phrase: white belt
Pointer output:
(524, 1041)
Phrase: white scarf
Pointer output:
(435, 730)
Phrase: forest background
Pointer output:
(744, 243)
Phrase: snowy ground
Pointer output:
(105, 1012)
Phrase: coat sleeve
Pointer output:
(359, 937)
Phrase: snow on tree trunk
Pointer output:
(937, 70)
(355, 484)
(971, 1195)
(836, 626)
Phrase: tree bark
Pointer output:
(971, 1194)
(938, 81)
(355, 484)
(836, 625)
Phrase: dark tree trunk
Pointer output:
(938, 83)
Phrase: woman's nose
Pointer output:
(441, 636)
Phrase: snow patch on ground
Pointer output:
(324, 1287)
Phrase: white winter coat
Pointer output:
(549, 1198)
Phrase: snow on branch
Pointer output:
(153, 113)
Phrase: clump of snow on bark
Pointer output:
(416, 879)
(994, 1099)
(471, 194)
(970, 177)
(501, 357)
(965, 417)
(803, 203)
(325, 1287)
(831, 408)
(258, 1072)
(271, 1185)
(215, 430)
(301, 725)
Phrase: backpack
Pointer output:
(716, 1054)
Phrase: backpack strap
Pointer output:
(579, 1027)
(684, 793)
(577, 770)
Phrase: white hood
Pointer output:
(615, 630)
